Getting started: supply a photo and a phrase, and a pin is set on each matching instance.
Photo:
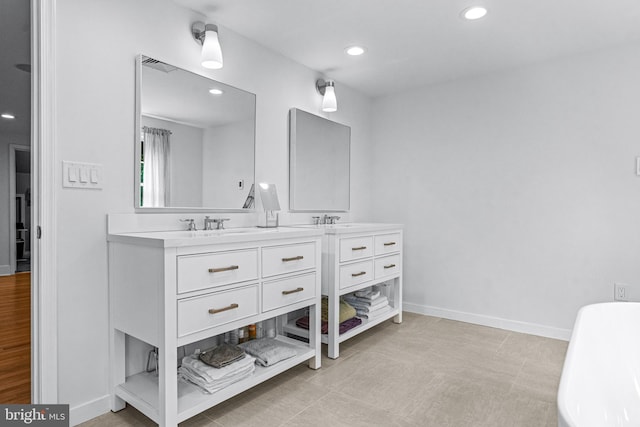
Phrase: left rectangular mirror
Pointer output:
(195, 141)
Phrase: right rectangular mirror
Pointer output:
(319, 157)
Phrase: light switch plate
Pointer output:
(82, 175)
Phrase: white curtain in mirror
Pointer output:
(155, 176)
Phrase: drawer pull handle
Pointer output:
(359, 248)
(362, 273)
(295, 258)
(293, 291)
(220, 310)
(390, 243)
(220, 270)
(389, 266)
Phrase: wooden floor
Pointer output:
(15, 338)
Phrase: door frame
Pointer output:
(13, 265)
(44, 319)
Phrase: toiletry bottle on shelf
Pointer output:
(259, 330)
(243, 335)
(270, 327)
(252, 331)
(233, 337)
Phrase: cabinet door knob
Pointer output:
(293, 291)
(221, 269)
(390, 243)
(295, 258)
(359, 248)
(389, 266)
(220, 310)
(362, 273)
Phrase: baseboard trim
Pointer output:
(88, 410)
(494, 322)
(5, 270)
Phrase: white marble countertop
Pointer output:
(352, 227)
(183, 238)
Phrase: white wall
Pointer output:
(517, 189)
(227, 158)
(95, 123)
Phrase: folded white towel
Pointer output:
(211, 387)
(268, 351)
(209, 373)
(376, 313)
(368, 294)
(359, 303)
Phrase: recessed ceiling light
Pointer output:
(475, 12)
(7, 116)
(355, 50)
(216, 91)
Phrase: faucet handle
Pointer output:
(220, 222)
(190, 224)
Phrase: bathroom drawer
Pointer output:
(387, 243)
(210, 310)
(216, 269)
(355, 248)
(288, 258)
(387, 266)
(354, 274)
(280, 293)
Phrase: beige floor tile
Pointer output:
(340, 410)
(426, 371)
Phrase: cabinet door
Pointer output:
(353, 248)
(356, 273)
(288, 258)
(387, 243)
(387, 266)
(280, 293)
(210, 310)
(216, 269)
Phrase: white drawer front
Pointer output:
(288, 291)
(287, 259)
(354, 274)
(216, 269)
(355, 248)
(387, 266)
(207, 311)
(388, 243)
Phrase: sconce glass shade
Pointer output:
(211, 51)
(329, 102)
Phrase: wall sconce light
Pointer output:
(327, 89)
(207, 35)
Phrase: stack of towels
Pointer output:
(217, 368)
(369, 302)
(268, 351)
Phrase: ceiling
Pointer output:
(418, 42)
(409, 43)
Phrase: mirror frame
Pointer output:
(293, 166)
(138, 150)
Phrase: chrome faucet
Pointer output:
(220, 223)
(326, 219)
(191, 224)
(332, 219)
(208, 223)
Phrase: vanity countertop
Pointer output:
(182, 238)
(352, 227)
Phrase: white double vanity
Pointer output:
(173, 288)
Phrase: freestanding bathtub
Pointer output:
(600, 383)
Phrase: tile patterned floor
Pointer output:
(425, 372)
